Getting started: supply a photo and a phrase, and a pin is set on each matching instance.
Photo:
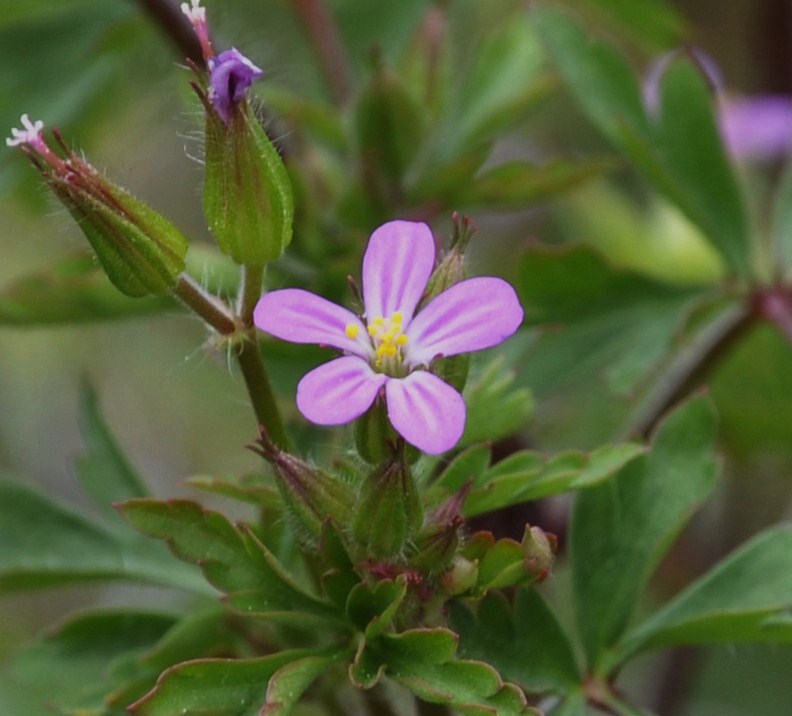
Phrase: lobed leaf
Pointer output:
(523, 641)
(232, 559)
(747, 597)
(423, 661)
(693, 150)
(621, 528)
(79, 665)
(104, 471)
(223, 687)
(528, 475)
(46, 544)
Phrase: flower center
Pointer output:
(388, 340)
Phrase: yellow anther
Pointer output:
(401, 340)
(397, 317)
(379, 321)
(352, 330)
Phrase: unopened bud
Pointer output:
(437, 543)
(450, 271)
(140, 251)
(311, 496)
(388, 513)
(461, 577)
(247, 194)
(539, 549)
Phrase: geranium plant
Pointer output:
(378, 568)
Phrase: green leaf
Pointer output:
(682, 156)
(691, 146)
(599, 77)
(74, 290)
(514, 185)
(373, 609)
(528, 475)
(423, 661)
(76, 668)
(232, 559)
(46, 544)
(614, 323)
(524, 642)
(290, 681)
(216, 687)
(652, 22)
(467, 466)
(575, 704)
(197, 634)
(745, 598)
(499, 87)
(104, 470)
(781, 228)
(622, 528)
(495, 407)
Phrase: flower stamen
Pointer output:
(388, 338)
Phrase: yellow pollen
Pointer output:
(352, 330)
(388, 340)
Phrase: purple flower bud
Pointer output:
(758, 128)
(231, 73)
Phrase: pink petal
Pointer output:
(339, 391)
(471, 315)
(426, 411)
(302, 317)
(398, 262)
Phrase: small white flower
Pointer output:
(196, 13)
(31, 134)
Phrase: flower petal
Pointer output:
(398, 262)
(426, 411)
(339, 391)
(302, 317)
(471, 315)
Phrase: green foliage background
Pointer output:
(636, 281)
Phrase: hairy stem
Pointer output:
(328, 45)
(689, 370)
(205, 304)
(243, 335)
(170, 20)
(259, 388)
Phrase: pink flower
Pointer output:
(231, 74)
(389, 350)
(758, 128)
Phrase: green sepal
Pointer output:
(247, 195)
(389, 511)
(374, 434)
(140, 251)
(310, 495)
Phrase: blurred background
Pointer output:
(106, 74)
